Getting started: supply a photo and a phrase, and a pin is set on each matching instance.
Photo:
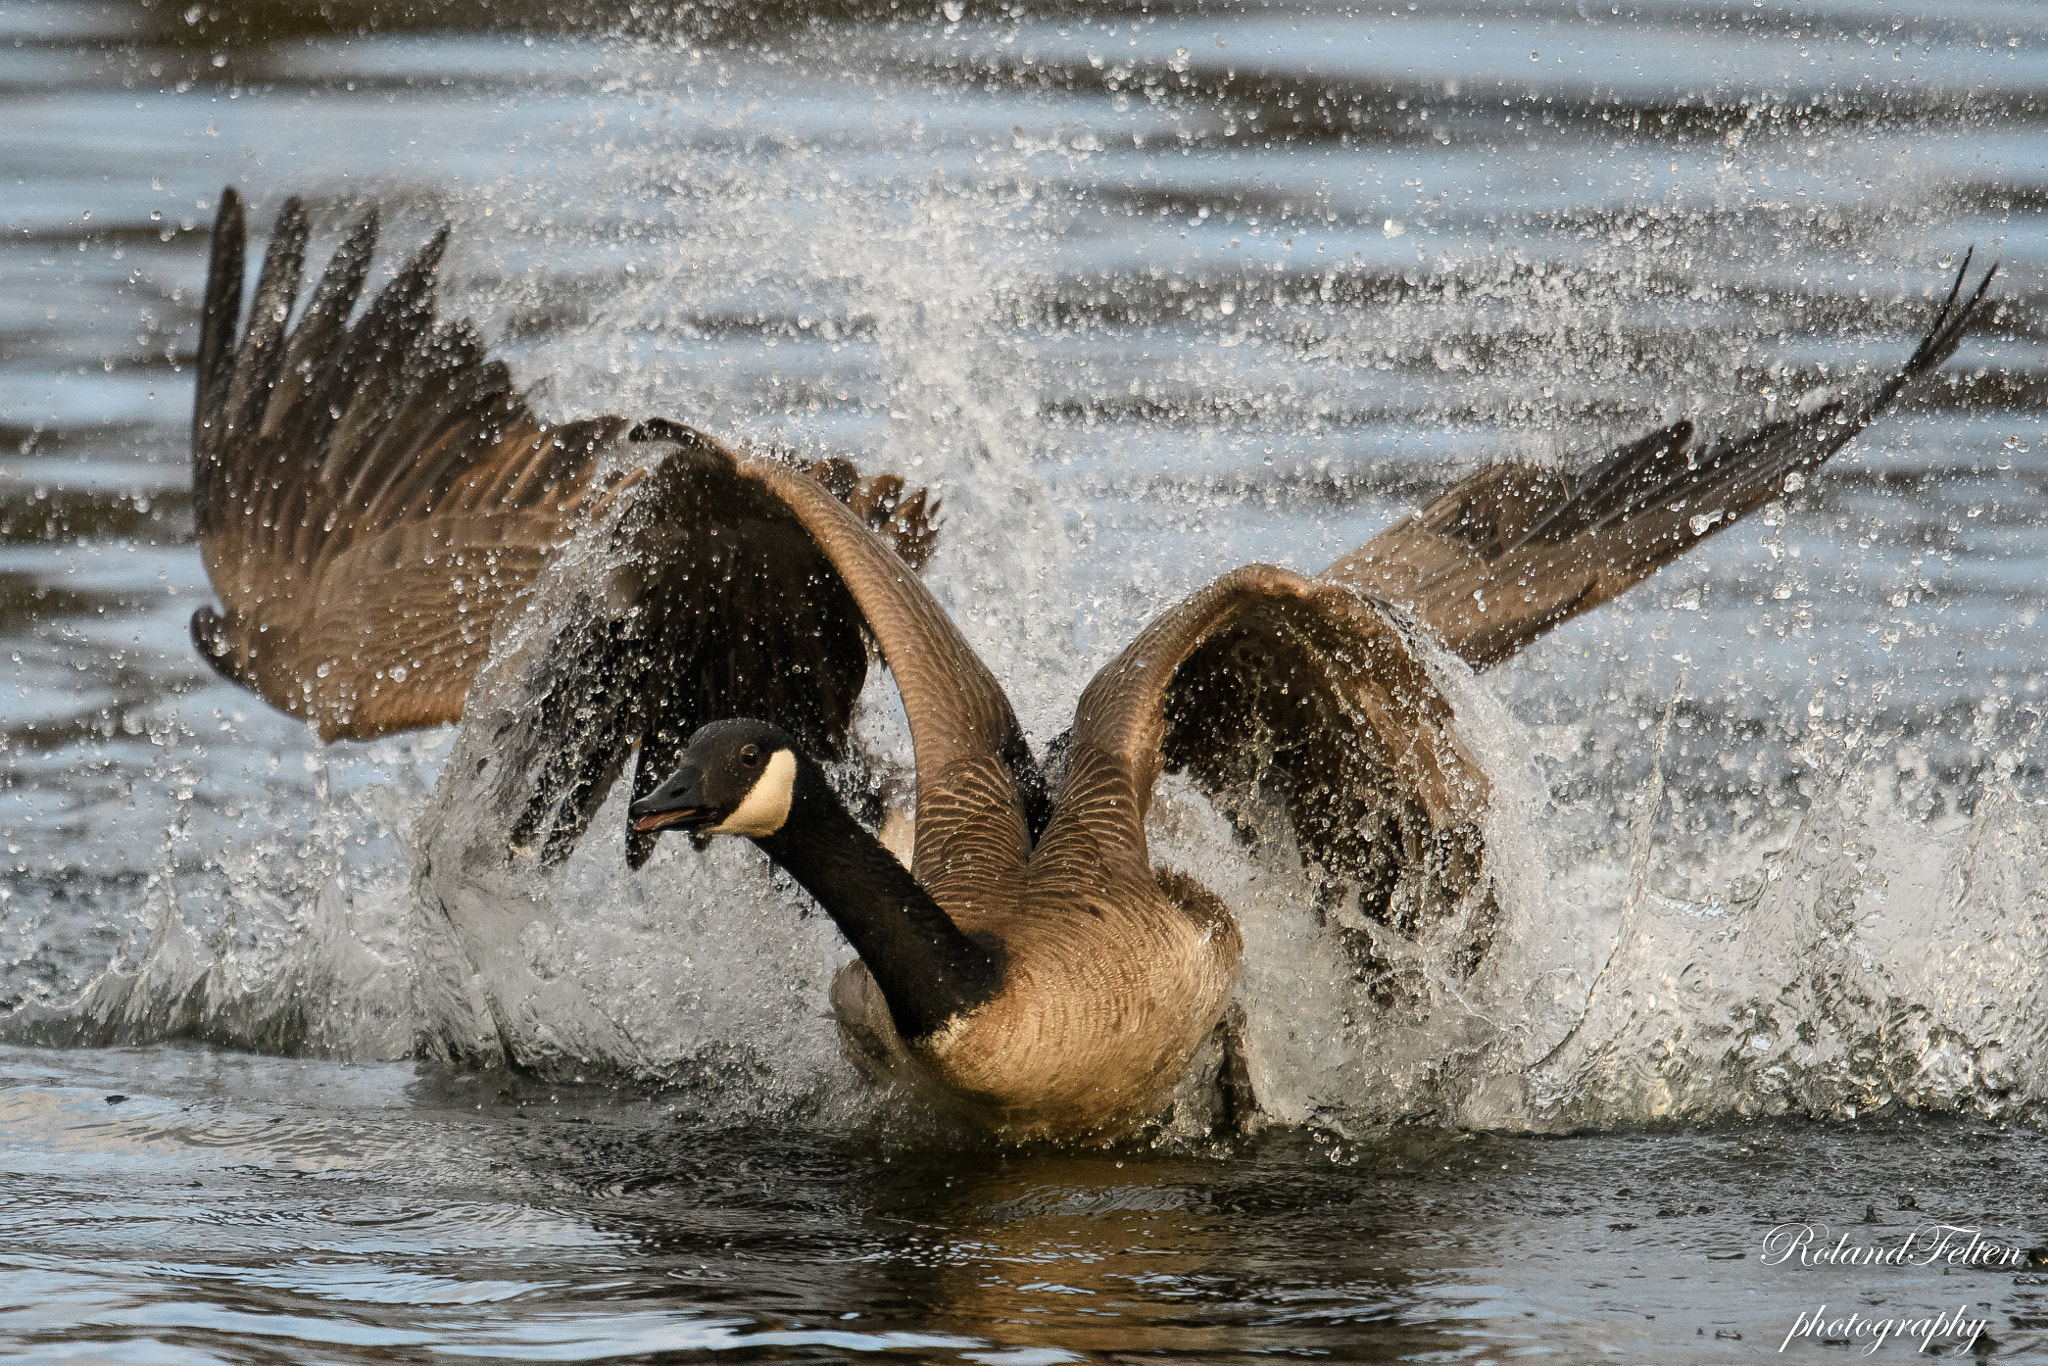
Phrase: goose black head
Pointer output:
(736, 778)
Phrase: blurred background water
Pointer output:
(1148, 291)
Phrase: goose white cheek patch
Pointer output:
(767, 803)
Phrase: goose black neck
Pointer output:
(928, 969)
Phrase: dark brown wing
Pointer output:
(1269, 679)
(739, 585)
(369, 495)
(372, 495)
(1513, 550)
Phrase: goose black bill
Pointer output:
(689, 818)
(672, 804)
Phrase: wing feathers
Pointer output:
(312, 392)
(260, 360)
(1627, 482)
(721, 599)
(382, 355)
(966, 736)
(375, 497)
(1267, 681)
(746, 587)
(217, 319)
(1512, 550)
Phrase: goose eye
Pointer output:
(750, 755)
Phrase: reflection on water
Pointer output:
(245, 1208)
(1149, 294)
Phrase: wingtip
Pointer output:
(913, 527)
(363, 236)
(206, 634)
(415, 284)
(220, 315)
(230, 236)
(291, 217)
(416, 280)
(1945, 334)
(289, 233)
(230, 229)
(428, 259)
(1990, 274)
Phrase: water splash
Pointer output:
(295, 945)
(1876, 958)
(1870, 952)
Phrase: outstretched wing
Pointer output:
(1513, 549)
(1307, 689)
(738, 585)
(372, 495)
(1314, 690)
(369, 495)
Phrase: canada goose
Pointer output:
(374, 501)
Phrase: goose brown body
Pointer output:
(1118, 971)
(1032, 971)
(1086, 1035)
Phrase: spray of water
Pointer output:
(1872, 957)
